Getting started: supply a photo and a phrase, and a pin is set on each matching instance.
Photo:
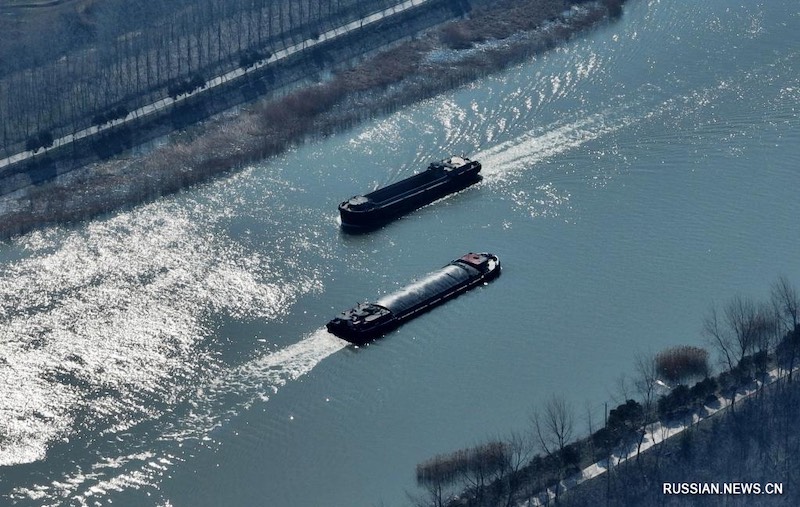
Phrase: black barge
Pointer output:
(382, 205)
(367, 321)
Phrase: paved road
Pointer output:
(10, 5)
(164, 103)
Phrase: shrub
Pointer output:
(250, 57)
(604, 440)
(677, 364)
(675, 404)
(441, 469)
(456, 36)
(703, 390)
(119, 112)
(570, 456)
(46, 139)
(99, 119)
(43, 139)
(195, 82)
(789, 347)
(447, 468)
(624, 420)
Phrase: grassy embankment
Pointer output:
(391, 79)
(738, 426)
(756, 443)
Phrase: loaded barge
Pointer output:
(367, 321)
(382, 205)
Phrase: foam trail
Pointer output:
(533, 147)
(250, 382)
(277, 368)
(646, 104)
(253, 381)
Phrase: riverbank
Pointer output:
(441, 59)
(648, 441)
(733, 458)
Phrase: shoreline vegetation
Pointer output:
(411, 70)
(677, 425)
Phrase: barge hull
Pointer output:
(385, 204)
(368, 321)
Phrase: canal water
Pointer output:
(175, 354)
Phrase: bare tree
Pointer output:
(768, 327)
(745, 328)
(623, 391)
(554, 427)
(519, 452)
(746, 322)
(646, 384)
(736, 333)
(469, 469)
(483, 465)
(438, 476)
(786, 302)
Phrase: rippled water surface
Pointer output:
(176, 354)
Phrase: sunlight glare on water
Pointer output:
(103, 320)
(174, 354)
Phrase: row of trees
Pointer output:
(135, 53)
(744, 333)
(118, 55)
(756, 443)
(673, 385)
(269, 126)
